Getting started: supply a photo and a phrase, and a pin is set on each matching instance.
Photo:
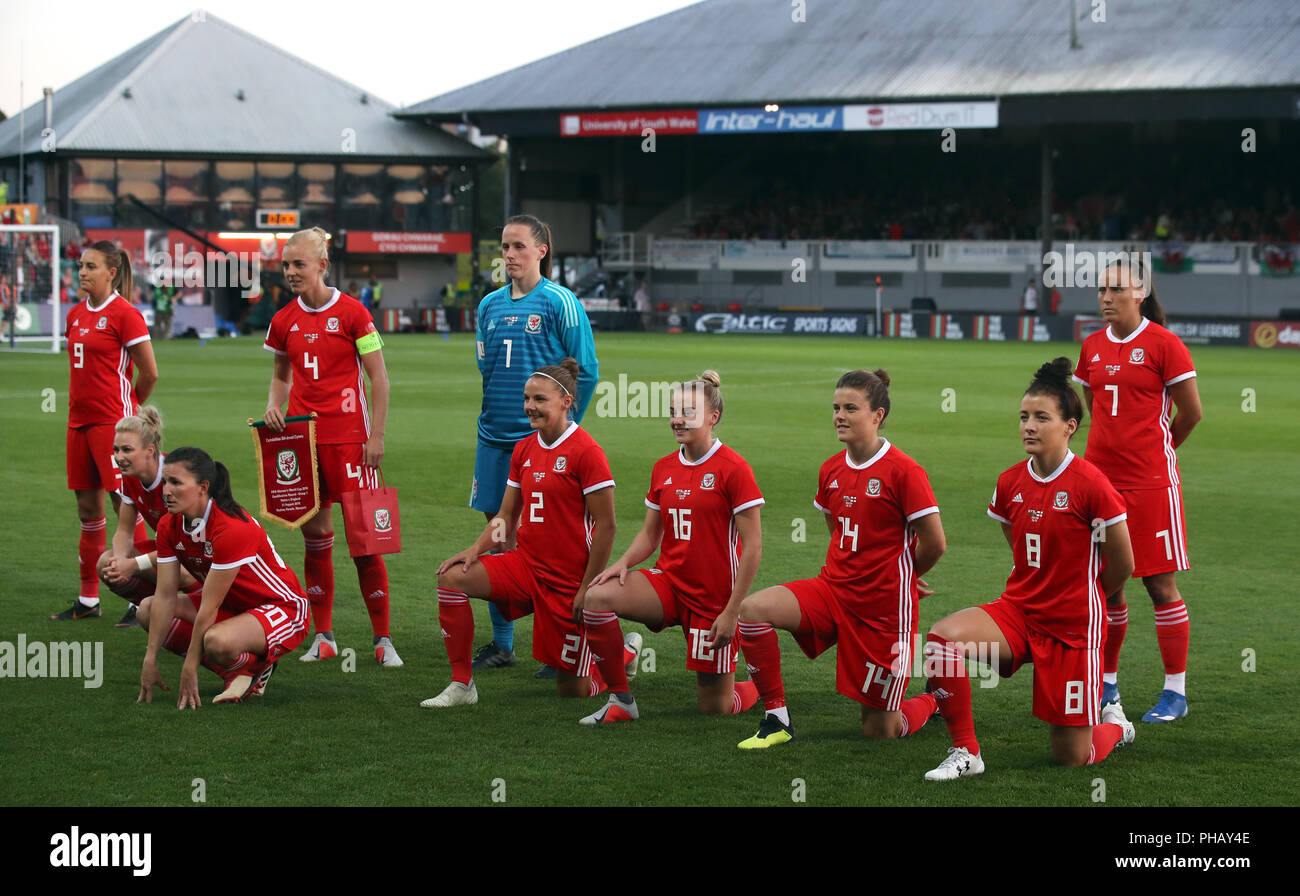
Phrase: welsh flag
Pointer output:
(1171, 258)
(1279, 259)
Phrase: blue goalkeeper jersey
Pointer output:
(515, 338)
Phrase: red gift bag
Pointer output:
(371, 522)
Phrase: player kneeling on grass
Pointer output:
(703, 508)
(559, 504)
(252, 610)
(885, 533)
(128, 566)
(1065, 524)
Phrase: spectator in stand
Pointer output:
(1029, 302)
(641, 304)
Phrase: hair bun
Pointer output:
(1055, 372)
(572, 366)
(882, 376)
(711, 377)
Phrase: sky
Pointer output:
(399, 50)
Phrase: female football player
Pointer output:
(528, 323)
(252, 610)
(1065, 525)
(107, 341)
(885, 534)
(558, 510)
(1132, 372)
(128, 567)
(703, 517)
(326, 346)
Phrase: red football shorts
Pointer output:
(872, 664)
(558, 641)
(1156, 528)
(342, 469)
(90, 458)
(1067, 680)
(700, 653)
(284, 624)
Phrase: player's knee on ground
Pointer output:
(713, 704)
(568, 686)
(1064, 755)
(882, 725)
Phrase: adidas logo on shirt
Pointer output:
(528, 463)
(668, 481)
(1017, 499)
(293, 329)
(1096, 357)
(835, 483)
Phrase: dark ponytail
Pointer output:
(205, 469)
(1053, 378)
(1139, 271)
(541, 232)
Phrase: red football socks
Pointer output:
(763, 657)
(1173, 631)
(945, 666)
(318, 576)
(89, 549)
(605, 638)
(373, 576)
(457, 621)
(1116, 628)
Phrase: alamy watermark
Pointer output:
(1087, 267)
(188, 269)
(58, 659)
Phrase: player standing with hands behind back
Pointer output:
(526, 325)
(107, 341)
(1131, 372)
(325, 346)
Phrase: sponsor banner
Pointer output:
(783, 120)
(286, 471)
(1211, 332)
(628, 124)
(868, 255)
(766, 255)
(783, 323)
(920, 116)
(867, 250)
(407, 242)
(984, 256)
(685, 254)
(968, 325)
(1275, 334)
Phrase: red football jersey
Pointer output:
(100, 389)
(1130, 439)
(146, 499)
(553, 481)
(322, 346)
(1057, 562)
(221, 541)
(698, 502)
(873, 549)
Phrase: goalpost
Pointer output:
(29, 287)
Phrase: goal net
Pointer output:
(31, 311)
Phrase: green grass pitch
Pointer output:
(324, 736)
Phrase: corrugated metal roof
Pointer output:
(746, 52)
(183, 85)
